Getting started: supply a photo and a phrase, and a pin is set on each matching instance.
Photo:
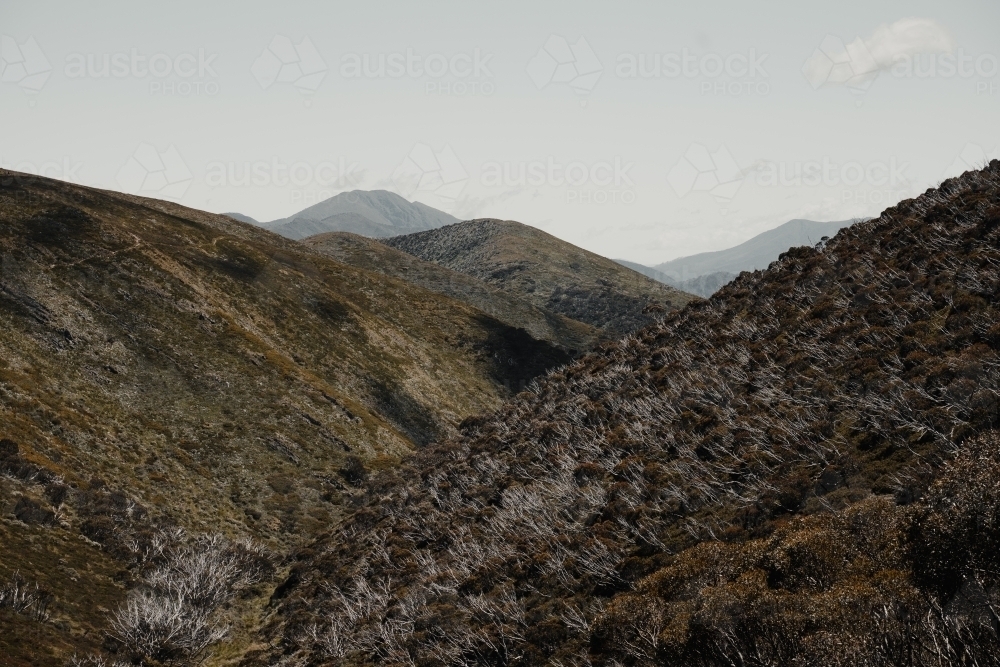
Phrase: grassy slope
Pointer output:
(372, 255)
(550, 273)
(740, 484)
(217, 374)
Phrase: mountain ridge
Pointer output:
(552, 274)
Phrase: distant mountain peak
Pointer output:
(371, 213)
(756, 253)
(705, 273)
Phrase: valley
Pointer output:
(479, 444)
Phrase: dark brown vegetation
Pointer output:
(549, 273)
(802, 470)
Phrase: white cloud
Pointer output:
(858, 63)
(908, 37)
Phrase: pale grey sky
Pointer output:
(641, 130)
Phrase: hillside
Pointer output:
(375, 214)
(163, 368)
(550, 273)
(752, 255)
(371, 255)
(799, 471)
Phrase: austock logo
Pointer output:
(150, 172)
(275, 172)
(718, 174)
(719, 74)
(182, 74)
(65, 169)
(425, 170)
(877, 182)
(560, 62)
(309, 182)
(458, 74)
(602, 182)
(702, 170)
(284, 62)
(834, 63)
(23, 64)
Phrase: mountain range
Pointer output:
(705, 273)
(511, 261)
(381, 214)
(478, 444)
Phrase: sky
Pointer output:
(638, 130)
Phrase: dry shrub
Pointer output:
(876, 584)
(172, 616)
(25, 598)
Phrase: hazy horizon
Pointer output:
(642, 132)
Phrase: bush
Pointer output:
(354, 470)
(28, 511)
(875, 584)
(23, 598)
(8, 448)
(172, 615)
(956, 536)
